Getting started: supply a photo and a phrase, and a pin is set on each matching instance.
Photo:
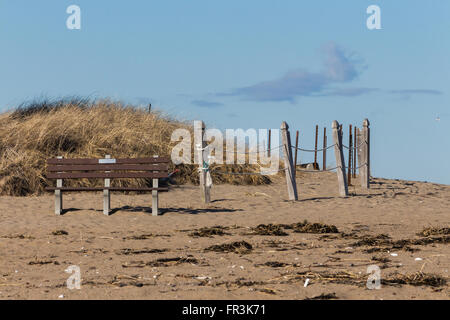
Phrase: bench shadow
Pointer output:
(163, 211)
(64, 211)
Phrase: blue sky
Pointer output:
(250, 64)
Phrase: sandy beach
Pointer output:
(132, 255)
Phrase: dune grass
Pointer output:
(80, 128)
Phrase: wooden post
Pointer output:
(288, 162)
(354, 154)
(360, 150)
(206, 190)
(350, 156)
(107, 194)
(269, 142)
(324, 164)
(149, 108)
(365, 176)
(59, 196)
(340, 163)
(316, 167)
(296, 151)
(155, 200)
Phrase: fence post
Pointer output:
(59, 196)
(316, 166)
(350, 156)
(106, 194)
(205, 189)
(324, 164)
(355, 143)
(340, 163)
(269, 147)
(288, 162)
(365, 177)
(296, 151)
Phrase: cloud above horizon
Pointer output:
(339, 66)
(207, 104)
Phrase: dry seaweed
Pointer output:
(128, 251)
(60, 233)
(416, 279)
(433, 231)
(307, 227)
(268, 230)
(241, 247)
(209, 232)
(162, 262)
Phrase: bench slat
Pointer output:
(118, 161)
(74, 189)
(108, 167)
(106, 175)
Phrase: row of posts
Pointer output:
(362, 147)
(360, 139)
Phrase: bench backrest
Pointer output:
(108, 168)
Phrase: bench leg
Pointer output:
(58, 202)
(106, 202)
(106, 194)
(155, 210)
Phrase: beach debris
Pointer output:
(418, 259)
(433, 231)
(128, 251)
(61, 296)
(162, 262)
(240, 247)
(268, 230)
(60, 233)
(394, 254)
(306, 283)
(209, 232)
(307, 227)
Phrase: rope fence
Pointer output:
(359, 147)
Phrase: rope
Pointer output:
(318, 150)
(354, 148)
(318, 171)
(252, 152)
(249, 173)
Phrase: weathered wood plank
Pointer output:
(288, 162)
(105, 175)
(118, 161)
(109, 167)
(340, 163)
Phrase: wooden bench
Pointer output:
(155, 168)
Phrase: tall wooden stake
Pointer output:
(269, 143)
(296, 151)
(316, 166)
(206, 190)
(288, 162)
(354, 154)
(340, 163)
(365, 176)
(350, 156)
(324, 164)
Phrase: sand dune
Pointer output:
(132, 255)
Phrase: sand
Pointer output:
(132, 255)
